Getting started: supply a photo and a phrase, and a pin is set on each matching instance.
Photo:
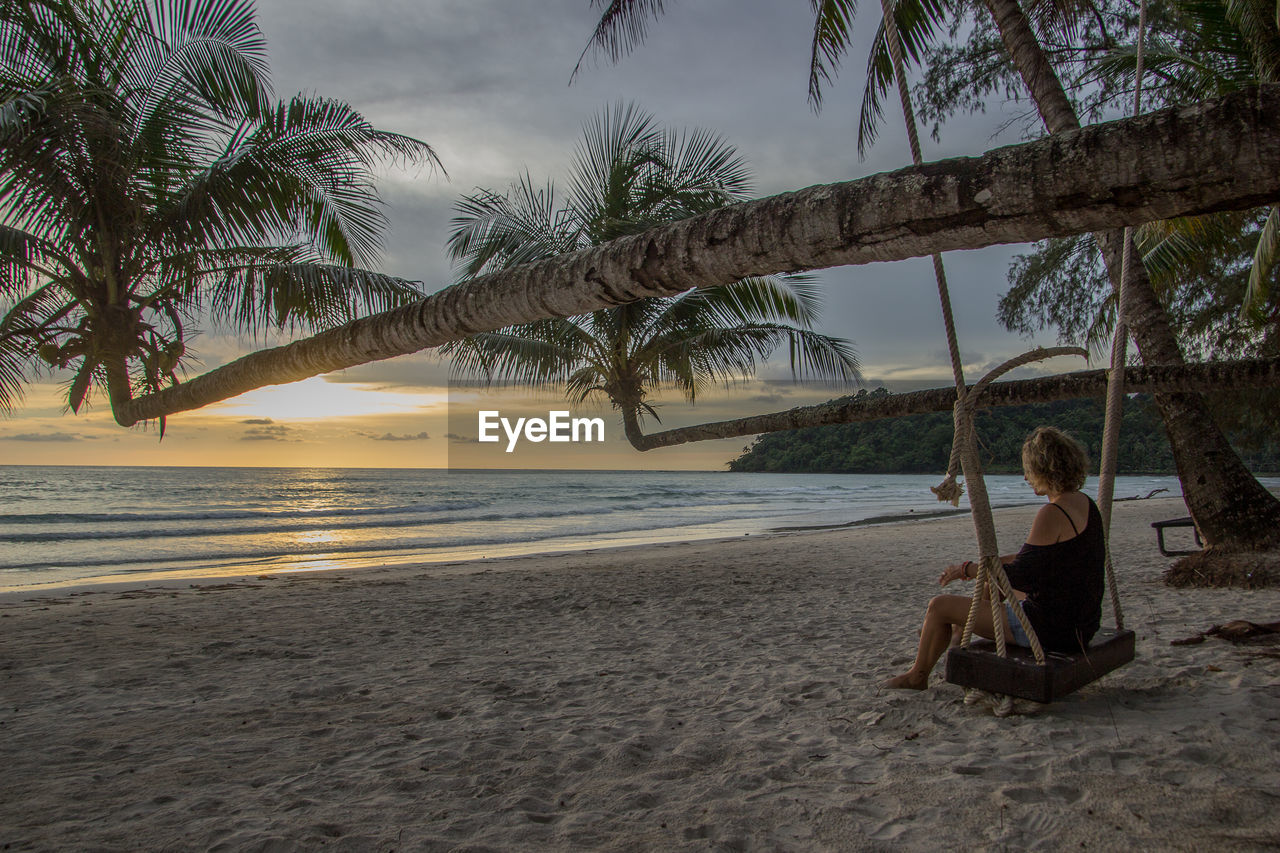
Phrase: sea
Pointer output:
(76, 525)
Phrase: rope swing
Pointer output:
(1064, 672)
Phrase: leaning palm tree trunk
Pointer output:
(1231, 508)
(1193, 377)
(1213, 156)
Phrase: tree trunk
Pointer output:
(1231, 508)
(1218, 155)
(631, 428)
(1211, 376)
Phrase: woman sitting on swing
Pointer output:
(1057, 576)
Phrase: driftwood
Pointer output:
(1235, 631)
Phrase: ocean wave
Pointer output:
(228, 515)
(311, 525)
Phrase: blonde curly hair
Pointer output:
(1053, 461)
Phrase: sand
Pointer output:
(699, 696)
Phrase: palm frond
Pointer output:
(917, 22)
(306, 169)
(1172, 247)
(608, 166)
(324, 150)
(23, 329)
(791, 299)
(534, 354)
(622, 26)
(832, 29)
(1258, 289)
(196, 56)
(722, 355)
(699, 171)
(494, 231)
(1258, 22)
(24, 257)
(45, 187)
(303, 295)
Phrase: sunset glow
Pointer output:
(317, 399)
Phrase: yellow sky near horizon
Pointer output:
(330, 422)
(401, 413)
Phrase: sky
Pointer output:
(487, 84)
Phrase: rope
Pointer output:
(1119, 355)
(965, 409)
(894, 43)
(964, 446)
(965, 459)
(991, 570)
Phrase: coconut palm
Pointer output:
(870, 220)
(1232, 509)
(148, 182)
(1201, 49)
(626, 176)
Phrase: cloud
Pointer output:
(47, 436)
(422, 436)
(967, 357)
(259, 421)
(271, 432)
(464, 439)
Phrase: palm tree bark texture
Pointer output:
(1218, 155)
(1231, 508)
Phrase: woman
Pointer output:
(1058, 573)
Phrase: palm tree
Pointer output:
(1201, 49)
(148, 182)
(626, 176)
(1232, 509)
(1199, 168)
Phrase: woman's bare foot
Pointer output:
(907, 681)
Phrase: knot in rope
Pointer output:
(948, 490)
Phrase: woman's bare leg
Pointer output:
(945, 613)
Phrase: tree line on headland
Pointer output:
(921, 444)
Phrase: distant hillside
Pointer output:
(921, 444)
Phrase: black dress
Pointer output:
(1063, 583)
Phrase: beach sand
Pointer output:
(701, 696)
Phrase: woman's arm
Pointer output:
(1046, 529)
(958, 572)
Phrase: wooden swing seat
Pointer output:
(980, 667)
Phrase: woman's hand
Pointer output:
(955, 572)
